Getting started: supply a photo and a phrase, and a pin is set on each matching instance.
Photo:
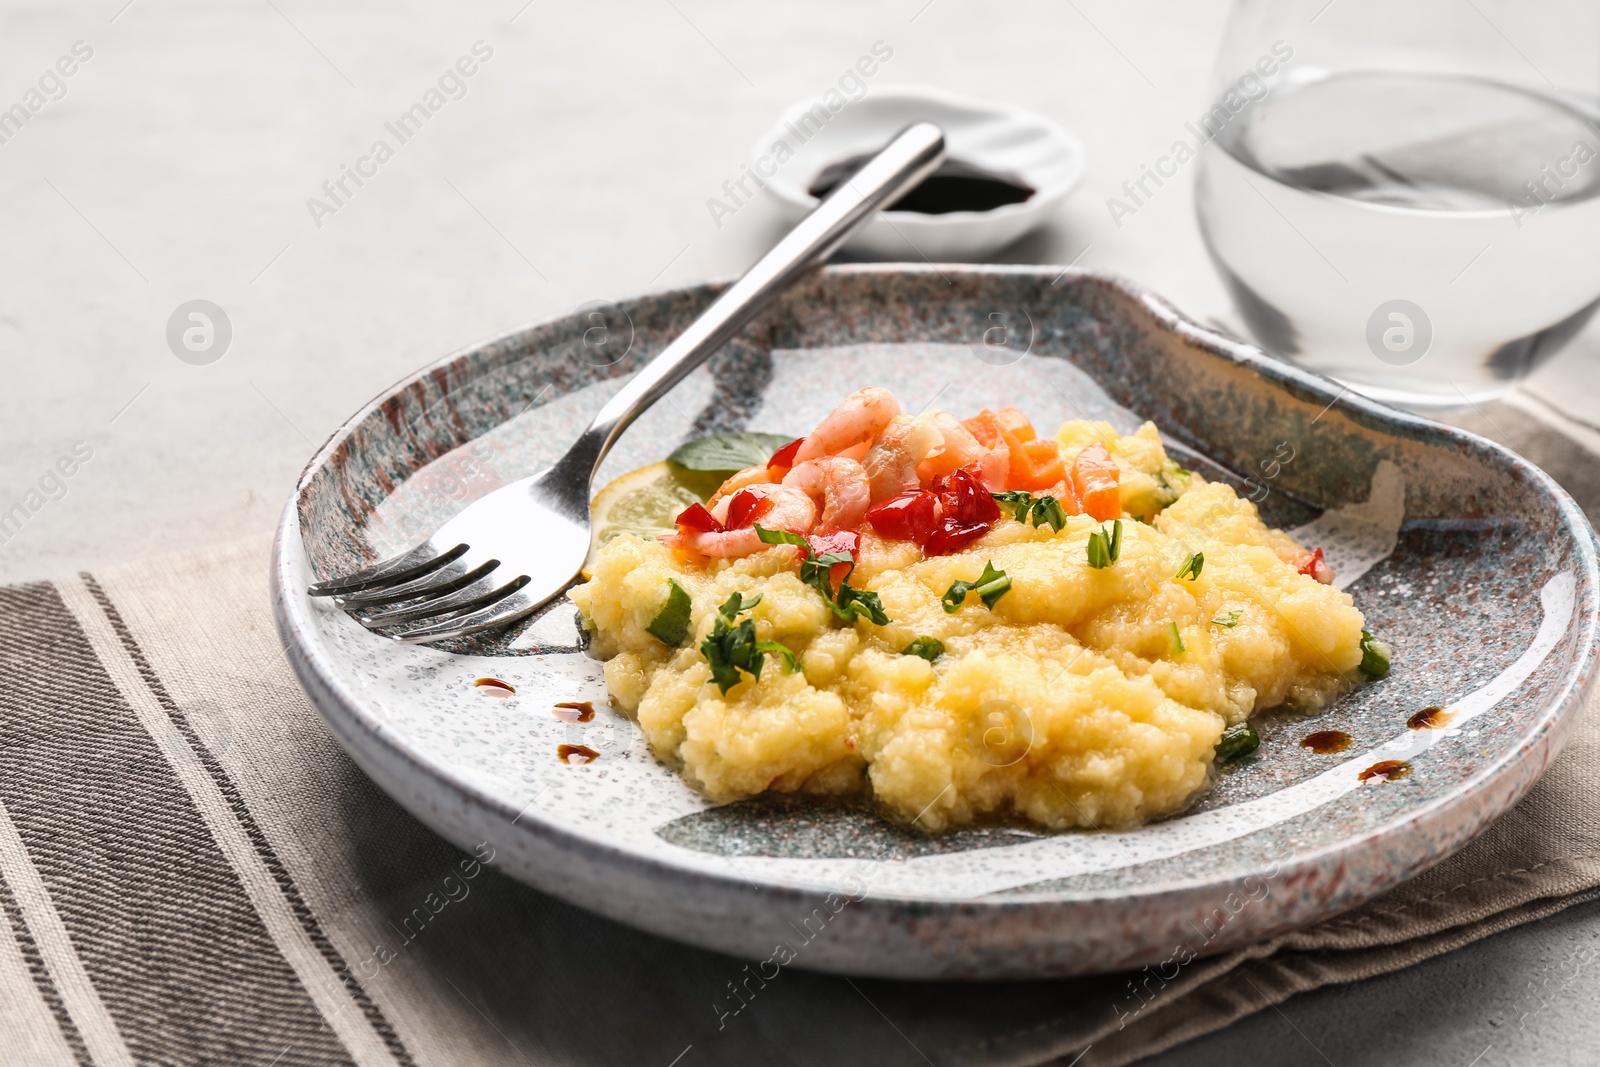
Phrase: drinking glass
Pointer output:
(1406, 196)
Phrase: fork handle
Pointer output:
(910, 157)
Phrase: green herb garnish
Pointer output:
(671, 624)
(849, 603)
(1038, 510)
(929, 648)
(1191, 567)
(731, 648)
(1374, 656)
(990, 587)
(728, 451)
(1230, 619)
(1104, 548)
(1178, 647)
(1237, 742)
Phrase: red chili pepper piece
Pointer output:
(911, 516)
(953, 536)
(783, 458)
(964, 499)
(696, 517)
(1314, 565)
(838, 541)
(746, 508)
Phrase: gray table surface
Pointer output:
(577, 166)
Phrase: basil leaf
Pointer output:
(1374, 656)
(791, 662)
(1104, 548)
(671, 624)
(1230, 619)
(1191, 567)
(1176, 639)
(1237, 742)
(730, 649)
(728, 451)
(929, 648)
(990, 587)
(781, 537)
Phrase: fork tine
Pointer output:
(446, 579)
(503, 611)
(479, 593)
(425, 557)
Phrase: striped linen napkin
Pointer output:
(193, 871)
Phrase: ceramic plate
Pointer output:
(1474, 565)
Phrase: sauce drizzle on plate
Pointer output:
(1389, 770)
(574, 711)
(1324, 742)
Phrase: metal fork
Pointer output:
(514, 550)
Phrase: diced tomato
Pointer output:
(911, 516)
(746, 508)
(696, 517)
(1314, 565)
(783, 458)
(1094, 480)
(952, 537)
(1035, 465)
(963, 498)
(837, 541)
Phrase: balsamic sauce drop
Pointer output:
(494, 687)
(1324, 742)
(574, 711)
(1430, 719)
(576, 754)
(1389, 770)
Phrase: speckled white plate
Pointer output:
(1478, 569)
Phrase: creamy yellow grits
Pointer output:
(1084, 698)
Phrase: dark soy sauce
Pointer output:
(955, 186)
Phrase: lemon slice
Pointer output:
(645, 502)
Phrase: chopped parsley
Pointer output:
(849, 603)
(929, 648)
(1237, 742)
(671, 624)
(732, 647)
(1104, 548)
(1374, 656)
(1176, 638)
(990, 587)
(1038, 510)
(1230, 619)
(1191, 566)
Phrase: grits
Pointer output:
(1085, 697)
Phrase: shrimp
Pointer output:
(791, 510)
(891, 466)
(840, 483)
(759, 475)
(861, 418)
(957, 447)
